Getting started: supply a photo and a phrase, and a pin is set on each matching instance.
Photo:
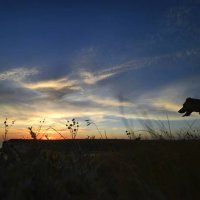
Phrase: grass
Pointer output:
(165, 167)
(101, 169)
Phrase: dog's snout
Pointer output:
(182, 110)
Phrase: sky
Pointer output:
(117, 63)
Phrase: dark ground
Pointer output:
(100, 169)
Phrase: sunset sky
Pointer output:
(98, 60)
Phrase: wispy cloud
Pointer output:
(18, 74)
(54, 89)
(89, 77)
(65, 97)
(169, 98)
(166, 105)
(110, 102)
(54, 84)
(93, 77)
(179, 16)
(14, 93)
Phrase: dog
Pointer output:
(190, 105)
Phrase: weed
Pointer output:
(35, 134)
(51, 128)
(46, 136)
(6, 128)
(130, 134)
(73, 127)
(89, 122)
(32, 133)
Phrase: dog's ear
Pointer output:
(188, 99)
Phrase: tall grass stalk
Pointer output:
(89, 122)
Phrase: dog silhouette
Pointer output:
(190, 105)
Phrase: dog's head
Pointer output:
(188, 107)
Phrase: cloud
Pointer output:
(54, 89)
(168, 98)
(110, 102)
(64, 97)
(182, 88)
(18, 74)
(86, 57)
(55, 84)
(179, 16)
(103, 110)
(14, 93)
(90, 78)
(184, 19)
(93, 77)
(178, 28)
(166, 105)
(56, 94)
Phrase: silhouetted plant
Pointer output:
(139, 137)
(6, 127)
(105, 134)
(34, 134)
(91, 137)
(40, 127)
(73, 127)
(129, 134)
(165, 131)
(52, 128)
(89, 122)
(46, 136)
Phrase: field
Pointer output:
(100, 169)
